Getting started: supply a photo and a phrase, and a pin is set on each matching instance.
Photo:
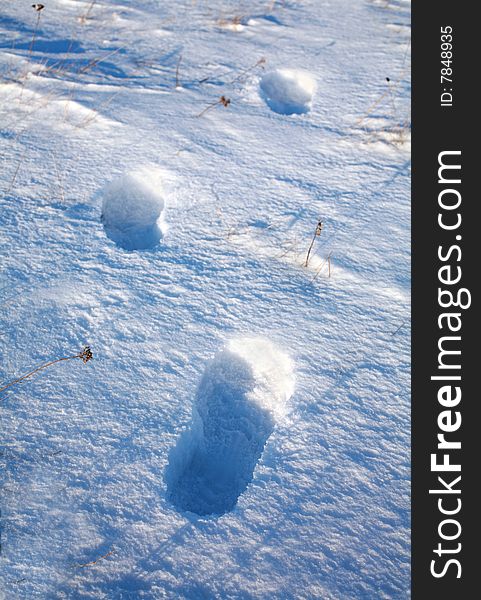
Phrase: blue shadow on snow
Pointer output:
(213, 462)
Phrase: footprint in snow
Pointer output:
(132, 210)
(288, 91)
(242, 394)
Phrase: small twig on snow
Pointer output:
(222, 100)
(85, 355)
(94, 562)
(177, 82)
(317, 233)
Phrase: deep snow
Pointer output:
(206, 225)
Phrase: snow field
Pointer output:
(95, 457)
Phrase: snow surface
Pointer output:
(99, 105)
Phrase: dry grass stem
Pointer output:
(177, 81)
(222, 100)
(86, 16)
(317, 233)
(259, 63)
(94, 562)
(85, 355)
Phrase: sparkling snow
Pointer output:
(299, 484)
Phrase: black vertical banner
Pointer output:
(446, 444)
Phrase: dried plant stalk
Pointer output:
(222, 100)
(317, 233)
(85, 355)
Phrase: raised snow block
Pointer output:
(132, 210)
(288, 91)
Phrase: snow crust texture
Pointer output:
(242, 394)
(132, 210)
(172, 477)
(287, 91)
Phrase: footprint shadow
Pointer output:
(233, 416)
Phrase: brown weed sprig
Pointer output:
(317, 233)
(85, 355)
(222, 100)
(38, 9)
